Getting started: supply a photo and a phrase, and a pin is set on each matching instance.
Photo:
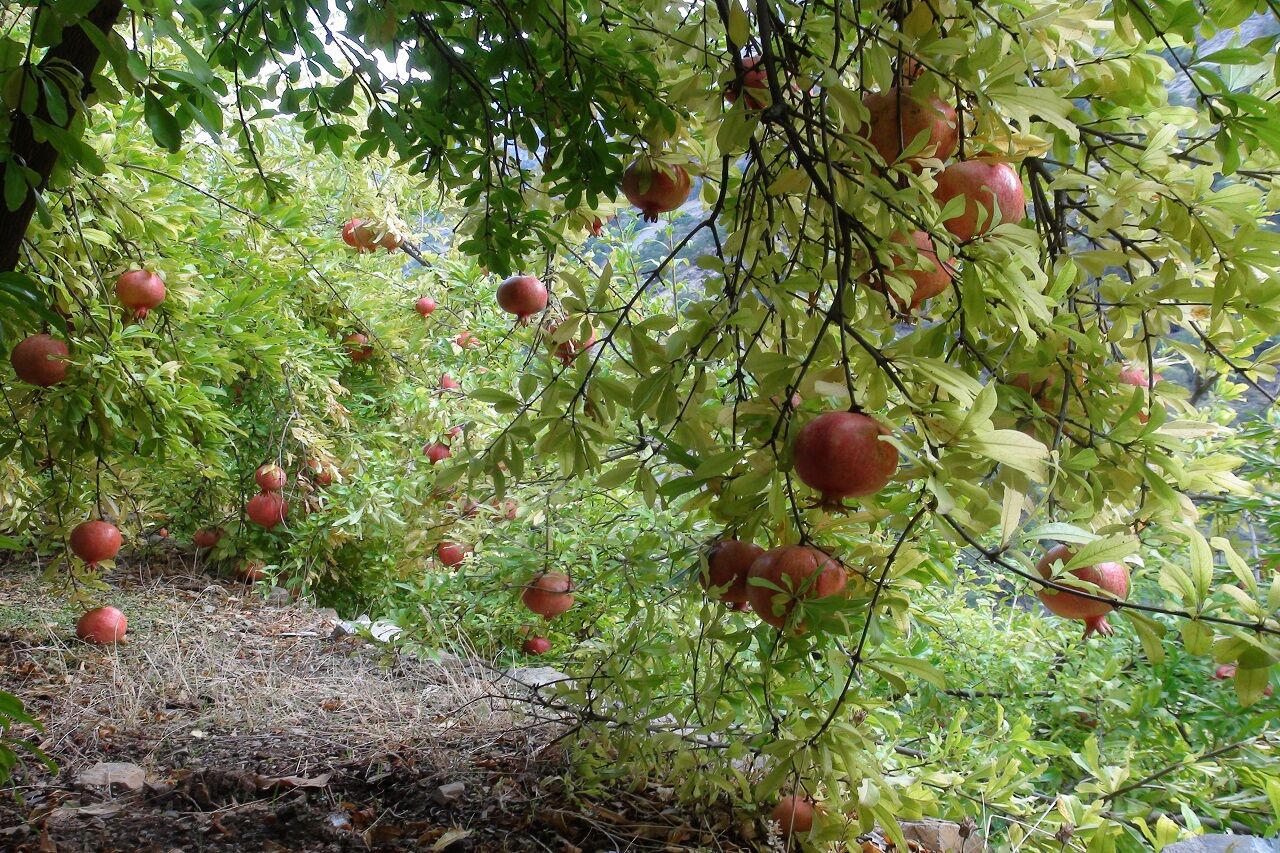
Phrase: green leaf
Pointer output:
(164, 127)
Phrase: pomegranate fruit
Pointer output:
(140, 290)
(448, 383)
(536, 646)
(597, 226)
(1136, 375)
(567, 351)
(453, 432)
(391, 242)
(207, 537)
(898, 116)
(655, 189)
(163, 533)
(251, 571)
(267, 509)
(1227, 671)
(793, 814)
(40, 360)
(95, 541)
(437, 452)
(522, 295)
(103, 626)
(321, 474)
(992, 191)
(358, 347)
(753, 85)
(450, 553)
(548, 594)
(424, 306)
(929, 275)
(358, 236)
(729, 562)
(509, 509)
(270, 477)
(840, 454)
(466, 340)
(1112, 579)
(803, 573)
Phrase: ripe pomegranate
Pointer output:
(729, 562)
(753, 85)
(467, 507)
(509, 509)
(548, 594)
(453, 432)
(424, 306)
(1227, 672)
(1136, 375)
(466, 340)
(840, 454)
(163, 533)
(987, 184)
(898, 116)
(567, 351)
(536, 646)
(803, 572)
(437, 452)
(95, 541)
(267, 509)
(358, 236)
(741, 607)
(251, 571)
(391, 242)
(321, 474)
(793, 814)
(270, 477)
(140, 290)
(40, 360)
(450, 553)
(448, 383)
(522, 295)
(597, 226)
(655, 189)
(930, 275)
(358, 347)
(1111, 578)
(207, 537)
(102, 626)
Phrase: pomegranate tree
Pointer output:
(548, 594)
(451, 553)
(899, 115)
(992, 192)
(655, 188)
(267, 509)
(207, 537)
(840, 455)
(729, 562)
(424, 306)
(802, 572)
(102, 626)
(437, 452)
(522, 295)
(1111, 579)
(793, 814)
(536, 646)
(270, 477)
(358, 347)
(929, 275)
(95, 541)
(40, 360)
(140, 290)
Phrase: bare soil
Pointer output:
(257, 729)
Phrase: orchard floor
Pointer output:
(258, 731)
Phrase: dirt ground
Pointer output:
(256, 729)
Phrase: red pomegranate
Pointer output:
(729, 562)
(453, 432)
(358, 236)
(753, 85)
(840, 454)
(1227, 671)
(802, 572)
(40, 360)
(207, 537)
(251, 571)
(321, 474)
(95, 541)
(466, 340)
(1112, 579)
(522, 295)
(391, 241)
(358, 347)
(437, 452)
(450, 553)
(509, 509)
(986, 184)
(655, 189)
(548, 594)
(597, 226)
(567, 351)
(930, 275)
(102, 626)
(140, 290)
(898, 116)
(536, 646)
(424, 306)
(163, 533)
(270, 477)
(1136, 375)
(793, 814)
(267, 509)
(448, 383)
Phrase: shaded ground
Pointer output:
(259, 731)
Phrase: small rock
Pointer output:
(214, 590)
(113, 774)
(342, 629)
(327, 616)
(536, 677)
(279, 597)
(449, 793)
(942, 836)
(1225, 844)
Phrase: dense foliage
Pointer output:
(995, 228)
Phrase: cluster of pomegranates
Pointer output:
(268, 508)
(358, 347)
(784, 577)
(368, 237)
(548, 594)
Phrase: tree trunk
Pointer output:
(79, 52)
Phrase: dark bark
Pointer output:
(79, 52)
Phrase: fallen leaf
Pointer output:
(449, 838)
